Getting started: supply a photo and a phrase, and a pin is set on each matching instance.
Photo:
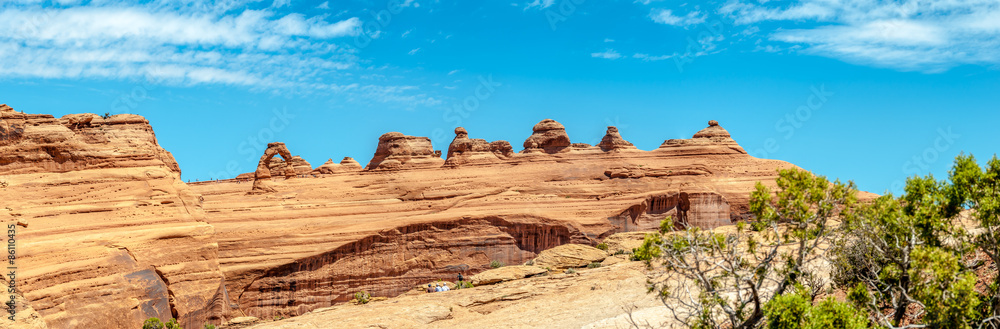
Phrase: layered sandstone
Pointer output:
(109, 233)
(464, 151)
(311, 243)
(547, 136)
(397, 151)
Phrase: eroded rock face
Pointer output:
(113, 235)
(700, 209)
(547, 136)
(613, 141)
(464, 151)
(42, 143)
(397, 151)
(393, 261)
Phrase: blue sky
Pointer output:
(871, 91)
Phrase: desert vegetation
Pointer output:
(814, 257)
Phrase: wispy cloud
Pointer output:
(182, 42)
(607, 54)
(541, 4)
(905, 35)
(666, 16)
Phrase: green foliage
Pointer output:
(667, 224)
(106, 115)
(795, 310)
(570, 270)
(649, 249)
(464, 285)
(152, 323)
(209, 326)
(172, 324)
(948, 292)
(602, 246)
(497, 264)
(362, 297)
(727, 272)
(594, 265)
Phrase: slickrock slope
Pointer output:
(398, 151)
(590, 299)
(316, 241)
(108, 228)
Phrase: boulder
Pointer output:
(569, 255)
(547, 136)
(625, 241)
(397, 151)
(464, 150)
(506, 273)
(613, 141)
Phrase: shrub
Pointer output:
(649, 249)
(172, 324)
(152, 323)
(464, 285)
(570, 270)
(667, 224)
(209, 326)
(106, 115)
(497, 264)
(602, 246)
(594, 265)
(362, 297)
(795, 310)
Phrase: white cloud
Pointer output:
(608, 40)
(281, 3)
(541, 4)
(185, 42)
(324, 5)
(650, 58)
(906, 35)
(607, 54)
(666, 16)
(414, 51)
(453, 72)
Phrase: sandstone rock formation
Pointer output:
(547, 136)
(714, 136)
(101, 194)
(298, 165)
(505, 273)
(398, 151)
(613, 141)
(348, 164)
(463, 150)
(262, 177)
(569, 256)
(112, 236)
